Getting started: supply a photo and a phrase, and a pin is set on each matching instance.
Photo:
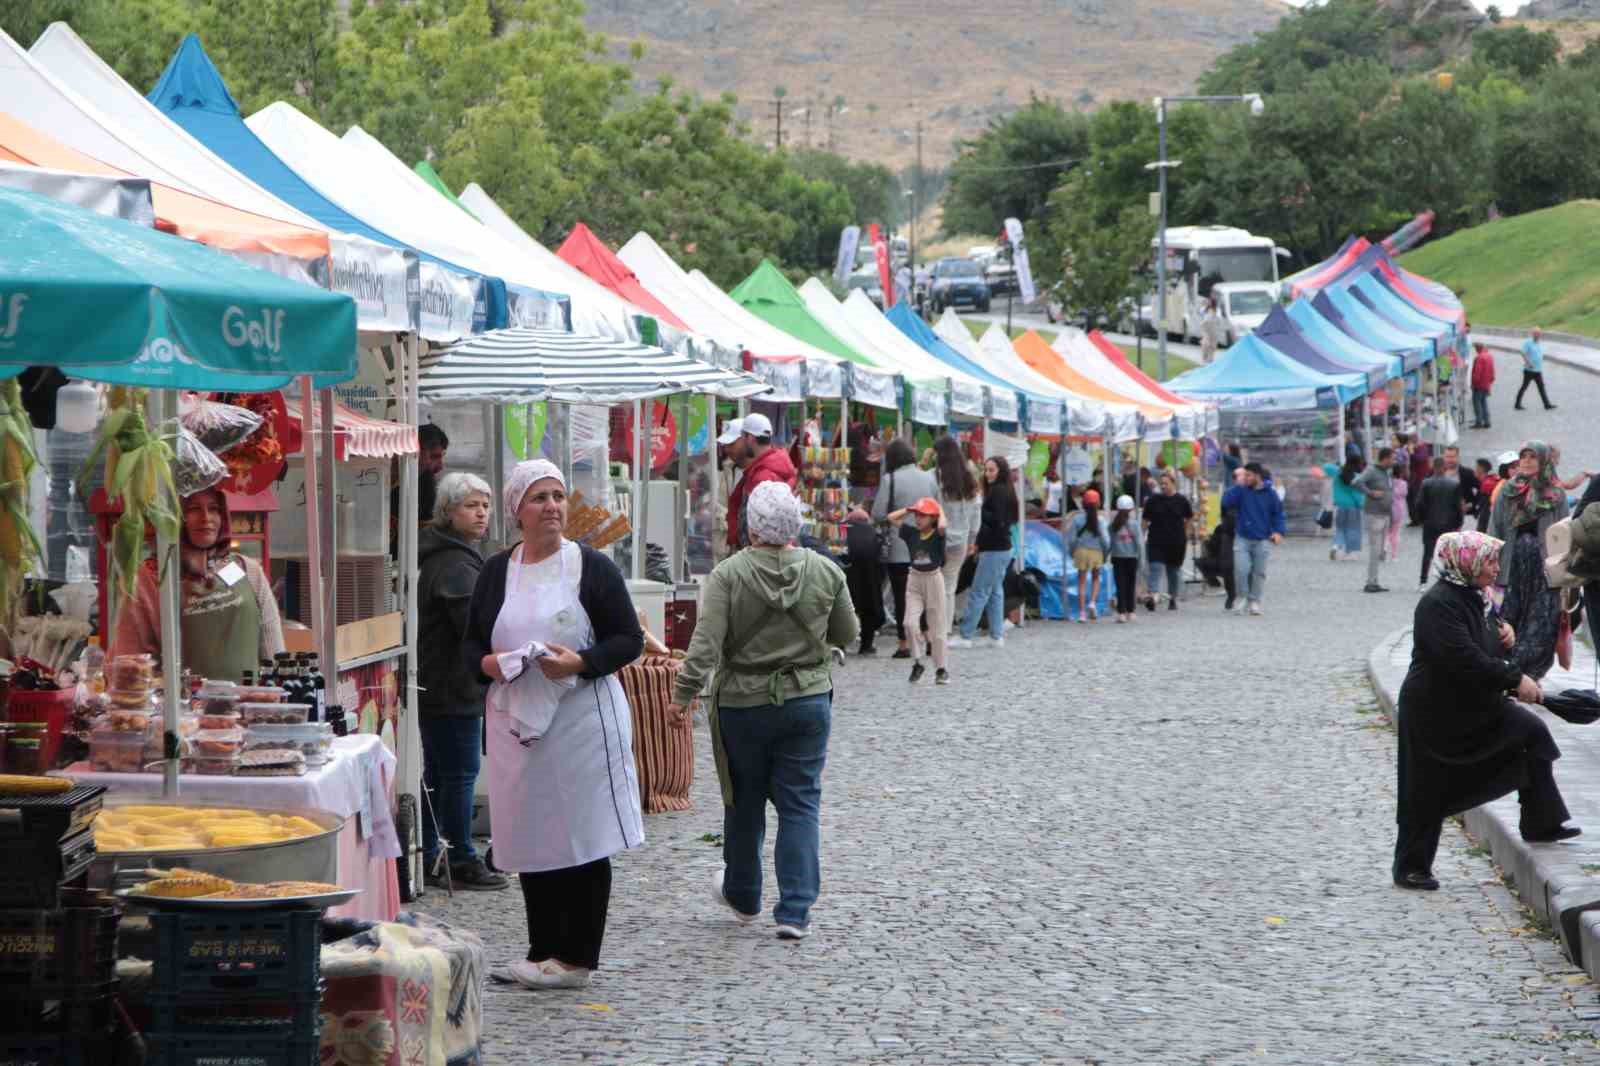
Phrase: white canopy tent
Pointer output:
(1081, 354)
(966, 393)
(929, 392)
(165, 150)
(818, 362)
(1085, 415)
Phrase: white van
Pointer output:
(1202, 257)
(1243, 305)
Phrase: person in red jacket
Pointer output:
(1482, 382)
(752, 452)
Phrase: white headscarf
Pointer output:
(522, 475)
(773, 513)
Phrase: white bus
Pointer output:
(1199, 257)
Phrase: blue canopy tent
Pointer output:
(191, 92)
(1385, 303)
(1334, 342)
(1356, 319)
(1281, 332)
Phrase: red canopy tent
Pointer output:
(1114, 355)
(589, 254)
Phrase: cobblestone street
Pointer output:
(1166, 842)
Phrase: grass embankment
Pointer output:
(1535, 269)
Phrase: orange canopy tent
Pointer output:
(195, 217)
(1032, 349)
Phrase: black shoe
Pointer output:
(474, 876)
(1228, 604)
(868, 650)
(1550, 836)
(1172, 605)
(901, 653)
(1516, 407)
(1549, 407)
(917, 670)
(1417, 881)
(433, 874)
(941, 677)
(1374, 588)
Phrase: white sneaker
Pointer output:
(1255, 608)
(548, 974)
(716, 886)
(997, 642)
(792, 932)
(1423, 587)
(958, 642)
(1008, 626)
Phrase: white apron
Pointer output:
(572, 796)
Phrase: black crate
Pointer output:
(89, 1011)
(33, 874)
(57, 1049)
(50, 818)
(207, 957)
(282, 1048)
(56, 953)
(171, 1015)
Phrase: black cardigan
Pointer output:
(998, 512)
(1455, 692)
(618, 639)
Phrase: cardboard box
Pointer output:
(354, 640)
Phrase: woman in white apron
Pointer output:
(550, 624)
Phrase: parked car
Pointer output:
(983, 254)
(866, 279)
(1244, 305)
(958, 282)
(1000, 276)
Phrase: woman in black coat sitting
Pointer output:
(1463, 741)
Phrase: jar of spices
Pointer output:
(25, 755)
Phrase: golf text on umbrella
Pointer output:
(241, 332)
(13, 318)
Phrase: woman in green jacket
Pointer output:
(770, 619)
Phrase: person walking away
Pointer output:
(1348, 505)
(1168, 516)
(1377, 490)
(1439, 508)
(1127, 557)
(450, 700)
(760, 461)
(1210, 330)
(988, 593)
(1482, 384)
(925, 541)
(963, 511)
(1462, 741)
(1421, 468)
(1488, 480)
(902, 485)
(864, 576)
(1525, 508)
(1533, 369)
(550, 624)
(1090, 544)
(1258, 527)
(771, 616)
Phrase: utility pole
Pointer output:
(916, 208)
(777, 116)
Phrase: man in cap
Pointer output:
(749, 444)
(1258, 525)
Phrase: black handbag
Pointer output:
(1325, 519)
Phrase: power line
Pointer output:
(1020, 166)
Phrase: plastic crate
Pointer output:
(34, 874)
(260, 954)
(56, 1049)
(232, 1049)
(50, 818)
(56, 953)
(90, 1011)
(172, 1015)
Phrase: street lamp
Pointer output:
(1160, 166)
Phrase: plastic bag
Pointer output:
(194, 467)
(218, 426)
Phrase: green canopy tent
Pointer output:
(113, 301)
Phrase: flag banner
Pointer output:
(1019, 261)
(845, 265)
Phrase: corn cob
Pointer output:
(26, 785)
(19, 545)
(139, 470)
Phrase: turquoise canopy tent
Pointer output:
(113, 301)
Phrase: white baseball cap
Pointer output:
(731, 430)
(757, 425)
(1124, 503)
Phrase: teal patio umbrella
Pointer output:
(113, 301)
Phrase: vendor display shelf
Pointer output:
(203, 957)
(56, 954)
(825, 474)
(35, 873)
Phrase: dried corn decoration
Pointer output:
(139, 470)
(19, 544)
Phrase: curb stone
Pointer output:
(1569, 349)
(1550, 878)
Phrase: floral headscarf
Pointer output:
(1461, 556)
(773, 513)
(1530, 496)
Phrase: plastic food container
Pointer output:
(261, 693)
(109, 751)
(217, 697)
(209, 721)
(217, 743)
(123, 720)
(132, 672)
(130, 699)
(255, 714)
(215, 766)
(25, 756)
(314, 740)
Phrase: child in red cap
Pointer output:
(925, 584)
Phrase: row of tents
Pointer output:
(343, 212)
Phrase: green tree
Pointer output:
(1517, 49)
(1010, 169)
(1090, 264)
(870, 186)
(1307, 40)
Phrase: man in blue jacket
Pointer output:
(1258, 524)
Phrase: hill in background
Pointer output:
(955, 66)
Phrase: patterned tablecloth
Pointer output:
(662, 751)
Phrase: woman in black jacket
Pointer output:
(550, 624)
(1463, 742)
(450, 700)
(988, 592)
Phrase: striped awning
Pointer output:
(356, 435)
(537, 364)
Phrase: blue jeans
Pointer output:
(1347, 528)
(1250, 566)
(1173, 575)
(775, 752)
(1480, 407)
(450, 753)
(988, 593)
